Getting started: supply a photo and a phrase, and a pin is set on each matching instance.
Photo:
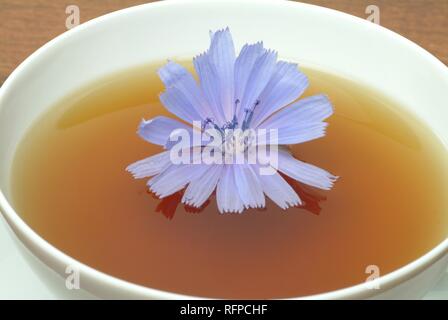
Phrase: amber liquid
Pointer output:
(387, 209)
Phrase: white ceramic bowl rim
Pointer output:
(24, 232)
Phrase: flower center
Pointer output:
(237, 142)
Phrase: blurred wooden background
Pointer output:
(25, 25)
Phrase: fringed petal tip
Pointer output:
(158, 195)
(241, 209)
(223, 29)
(133, 170)
(296, 201)
(158, 130)
(156, 192)
(190, 203)
(149, 167)
(141, 127)
(231, 211)
(284, 207)
(332, 180)
(327, 181)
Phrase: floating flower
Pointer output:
(251, 92)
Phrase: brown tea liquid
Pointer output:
(388, 208)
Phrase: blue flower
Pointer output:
(251, 91)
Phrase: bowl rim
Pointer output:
(47, 252)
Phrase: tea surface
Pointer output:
(388, 207)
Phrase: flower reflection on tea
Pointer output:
(249, 93)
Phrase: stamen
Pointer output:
(231, 124)
(208, 121)
(248, 115)
(237, 101)
(205, 123)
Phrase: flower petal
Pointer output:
(150, 166)
(183, 95)
(260, 74)
(210, 86)
(301, 121)
(248, 186)
(222, 55)
(286, 85)
(159, 129)
(279, 191)
(174, 178)
(228, 200)
(199, 190)
(304, 172)
(176, 103)
(244, 65)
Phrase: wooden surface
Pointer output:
(25, 25)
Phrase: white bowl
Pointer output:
(309, 34)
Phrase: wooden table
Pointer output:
(25, 25)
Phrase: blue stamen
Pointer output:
(208, 121)
(237, 101)
(248, 115)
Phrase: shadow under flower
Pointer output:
(310, 197)
(169, 205)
